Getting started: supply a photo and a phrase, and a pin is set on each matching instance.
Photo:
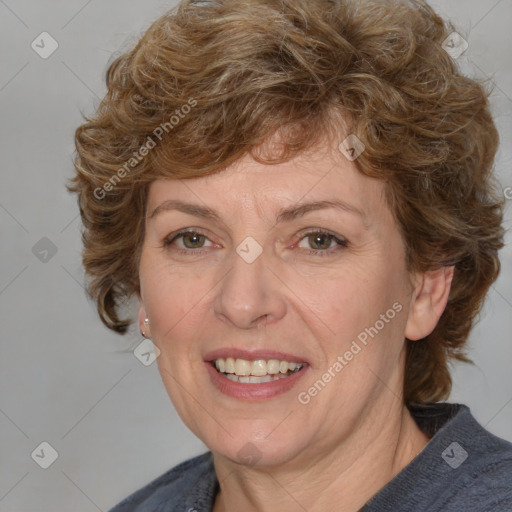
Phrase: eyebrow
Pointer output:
(285, 215)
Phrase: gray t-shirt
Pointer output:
(463, 468)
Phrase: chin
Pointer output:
(257, 450)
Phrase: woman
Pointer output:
(300, 195)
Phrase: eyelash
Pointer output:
(342, 243)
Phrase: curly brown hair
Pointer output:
(212, 81)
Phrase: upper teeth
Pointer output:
(259, 367)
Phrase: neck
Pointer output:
(349, 474)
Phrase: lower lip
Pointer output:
(263, 391)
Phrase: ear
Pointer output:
(428, 302)
(143, 324)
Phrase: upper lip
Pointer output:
(252, 355)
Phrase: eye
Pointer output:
(316, 242)
(188, 240)
(320, 241)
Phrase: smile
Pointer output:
(255, 376)
(255, 372)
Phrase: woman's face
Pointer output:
(294, 264)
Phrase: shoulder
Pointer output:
(471, 467)
(463, 467)
(484, 481)
(189, 485)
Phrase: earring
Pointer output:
(146, 322)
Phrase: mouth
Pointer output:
(254, 376)
(257, 371)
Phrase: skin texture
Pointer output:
(339, 449)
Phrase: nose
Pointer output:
(250, 295)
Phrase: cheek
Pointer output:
(170, 295)
(365, 299)
(353, 293)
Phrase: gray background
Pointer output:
(64, 378)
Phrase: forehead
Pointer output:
(251, 185)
